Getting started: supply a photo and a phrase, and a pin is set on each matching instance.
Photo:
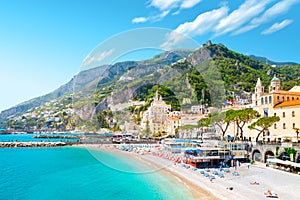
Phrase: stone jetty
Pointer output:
(33, 144)
(57, 136)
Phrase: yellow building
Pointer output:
(172, 123)
(277, 102)
(156, 115)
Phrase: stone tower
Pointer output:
(259, 91)
(259, 88)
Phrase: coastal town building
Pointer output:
(173, 122)
(156, 115)
(275, 102)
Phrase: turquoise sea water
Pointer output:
(74, 173)
(30, 138)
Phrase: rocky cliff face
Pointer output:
(200, 55)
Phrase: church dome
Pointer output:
(275, 79)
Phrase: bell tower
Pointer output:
(275, 84)
(259, 91)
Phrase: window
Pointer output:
(283, 114)
(294, 125)
(284, 127)
(278, 98)
(282, 98)
(262, 101)
(288, 98)
(266, 100)
(275, 126)
(297, 98)
(293, 98)
(293, 113)
(274, 114)
(256, 103)
(270, 99)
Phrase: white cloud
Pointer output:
(165, 4)
(172, 39)
(165, 7)
(277, 26)
(152, 18)
(98, 58)
(159, 16)
(189, 3)
(277, 9)
(204, 23)
(245, 12)
(139, 20)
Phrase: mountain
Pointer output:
(270, 62)
(107, 96)
(83, 84)
(82, 79)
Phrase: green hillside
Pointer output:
(207, 75)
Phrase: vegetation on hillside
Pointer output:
(219, 76)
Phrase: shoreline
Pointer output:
(282, 183)
(194, 189)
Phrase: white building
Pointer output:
(156, 115)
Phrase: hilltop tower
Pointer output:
(275, 84)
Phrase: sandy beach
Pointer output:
(286, 185)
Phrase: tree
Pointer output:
(220, 119)
(146, 132)
(263, 124)
(292, 152)
(297, 132)
(241, 117)
(277, 151)
(204, 122)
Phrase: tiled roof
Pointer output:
(287, 103)
(286, 92)
(174, 118)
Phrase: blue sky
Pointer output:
(44, 43)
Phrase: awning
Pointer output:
(283, 162)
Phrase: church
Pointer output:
(278, 102)
(274, 102)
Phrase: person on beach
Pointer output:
(268, 192)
